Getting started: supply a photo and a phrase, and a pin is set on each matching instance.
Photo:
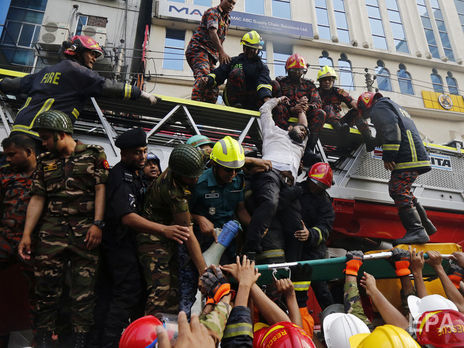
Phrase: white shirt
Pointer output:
(283, 152)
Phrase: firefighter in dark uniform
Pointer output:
(405, 156)
(318, 216)
(66, 86)
(248, 82)
(121, 287)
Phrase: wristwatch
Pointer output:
(99, 223)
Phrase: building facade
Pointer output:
(411, 46)
(33, 31)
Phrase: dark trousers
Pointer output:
(399, 188)
(267, 188)
(119, 291)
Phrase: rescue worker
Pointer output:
(404, 155)
(202, 143)
(205, 48)
(121, 286)
(248, 82)
(66, 86)
(318, 215)
(301, 93)
(332, 98)
(15, 185)
(152, 168)
(67, 205)
(166, 202)
(218, 196)
(285, 150)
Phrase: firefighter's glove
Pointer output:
(214, 285)
(456, 274)
(401, 260)
(354, 261)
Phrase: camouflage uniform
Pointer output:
(14, 198)
(331, 104)
(283, 86)
(69, 188)
(157, 254)
(216, 320)
(201, 53)
(399, 187)
(352, 302)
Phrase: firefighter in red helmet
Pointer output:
(66, 86)
(405, 156)
(304, 96)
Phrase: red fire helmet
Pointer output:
(366, 100)
(442, 328)
(82, 42)
(295, 61)
(140, 333)
(321, 174)
(282, 335)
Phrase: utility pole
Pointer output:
(369, 80)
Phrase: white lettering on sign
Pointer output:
(441, 162)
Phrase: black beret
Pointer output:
(135, 137)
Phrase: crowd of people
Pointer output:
(119, 246)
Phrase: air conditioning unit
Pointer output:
(53, 34)
(96, 33)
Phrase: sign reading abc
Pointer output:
(242, 20)
(437, 161)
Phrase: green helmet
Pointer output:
(186, 160)
(53, 120)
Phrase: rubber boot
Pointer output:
(342, 129)
(415, 232)
(43, 339)
(80, 339)
(428, 225)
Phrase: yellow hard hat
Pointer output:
(227, 152)
(252, 39)
(386, 336)
(326, 71)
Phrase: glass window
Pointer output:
(202, 2)
(346, 75)
(281, 53)
(30, 4)
(81, 21)
(452, 84)
(182, 1)
(325, 59)
(396, 24)
(254, 6)
(340, 21)
(375, 20)
(404, 80)
(383, 77)
(437, 82)
(281, 8)
(323, 25)
(460, 9)
(174, 49)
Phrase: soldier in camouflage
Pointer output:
(66, 212)
(15, 185)
(166, 202)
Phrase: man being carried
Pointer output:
(248, 81)
(285, 150)
(205, 48)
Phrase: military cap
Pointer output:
(135, 137)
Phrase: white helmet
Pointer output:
(339, 327)
(418, 306)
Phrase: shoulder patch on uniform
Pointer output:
(50, 166)
(105, 164)
(44, 155)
